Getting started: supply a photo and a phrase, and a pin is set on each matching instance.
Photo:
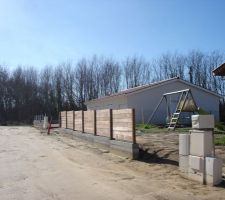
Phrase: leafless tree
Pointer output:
(69, 85)
(25, 91)
(215, 58)
(4, 97)
(110, 77)
(136, 71)
(80, 73)
(195, 61)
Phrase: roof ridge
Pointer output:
(134, 89)
(202, 88)
(151, 84)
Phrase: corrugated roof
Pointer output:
(144, 87)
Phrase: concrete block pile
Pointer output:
(196, 152)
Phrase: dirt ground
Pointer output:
(36, 166)
(163, 148)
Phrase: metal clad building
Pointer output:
(145, 98)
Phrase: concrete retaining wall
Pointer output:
(123, 148)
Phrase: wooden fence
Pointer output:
(69, 116)
(114, 124)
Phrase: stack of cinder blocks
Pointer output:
(196, 152)
(45, 123)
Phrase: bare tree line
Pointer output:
(26, 91)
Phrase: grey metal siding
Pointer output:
(144, 102)
(119, 102)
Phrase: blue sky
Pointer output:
(40, 32)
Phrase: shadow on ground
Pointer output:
(222, 184)
(145, 156)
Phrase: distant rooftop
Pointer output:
(219, 71)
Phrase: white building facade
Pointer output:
(145, 98)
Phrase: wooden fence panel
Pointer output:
(114, 124)
(89, 121)
(70, 119)
(63, 119)
(123, 124)
(103, 122)
(78, 123)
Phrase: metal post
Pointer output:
(178, 104)
(60, 120)
(168, 114)
(111, 124)
(193, 99)
(185, 99)
(95, 128)
(73, 120)
(82, 121)
(150, 119)
(66, 119)
(134, 127)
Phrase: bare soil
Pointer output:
(163, 148)
(36, 166)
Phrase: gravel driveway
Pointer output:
(35, 166)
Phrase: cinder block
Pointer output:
(196, 176)
(213, 170)
(213, 166)
(183, 163)
(211, 180)
(201, 143)
(45, 124)
(184, 144)
(202, 121)
(196, 163)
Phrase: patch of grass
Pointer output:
(145, 126)
(181, 130)
(217, 131)
(220, 140)
(150, 128)
(220, 126)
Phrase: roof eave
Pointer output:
(219, 71)
(105, 98)
(152, 85)
(201, 88)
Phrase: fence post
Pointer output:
(111, 124)
(66, 119)
(95, 130)
(60, 120)
(134, 126)
(82, 121)
(73, 120)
